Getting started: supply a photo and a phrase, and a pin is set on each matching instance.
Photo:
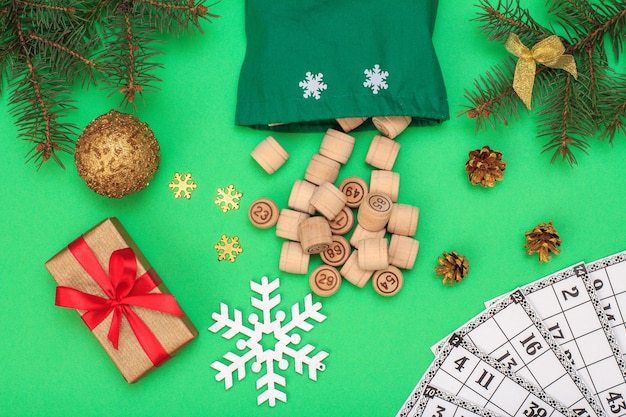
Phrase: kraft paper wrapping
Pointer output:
(172, 331)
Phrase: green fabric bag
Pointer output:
(309, 62)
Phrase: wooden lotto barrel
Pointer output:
(350, 123)
(343, 222)
(328, 200)
(388, 282)
(337, 146)
(263, 213)
(391, 126)
(382, 153)
(293, 259)
(287, 224)
(300, 196)
(403, 219)
(320, 169)
(354, 188)
(353, 273)
(325, 280)
(385, 182)
(315, 235)
(338, 252)
(374, 211)
(373, 254)
(360, 234)
(270, 155)
(403, 251)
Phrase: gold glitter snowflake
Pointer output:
(228, 248)
(182, 185)
(228, 198)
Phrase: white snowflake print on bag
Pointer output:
(313, 85)
(375, 79)
(280, 332)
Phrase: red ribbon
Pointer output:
(123, 291)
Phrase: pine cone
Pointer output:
(452, 267)
(485, 166)
(543, 239)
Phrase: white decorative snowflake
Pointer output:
(376, 79)
(313, 85)
(284, 339)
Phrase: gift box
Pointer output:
(105, 277)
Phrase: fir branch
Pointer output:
(37, 102)
(52, 15)
(60, 33)
(55, 46)
(616, 25)
(576, 14)
(565, 121)
(30, 61)
(6, 50)
(98, 10)
(592, 23)
(588, 63)
(506, 17)
(613, 103)
(130, 29)
(175, 17)
(38, 111)
(494, 99)
(4, 12)
(46, 44)
(129, 66)
(48, 7)
(577, 113)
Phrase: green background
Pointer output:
(51, 366)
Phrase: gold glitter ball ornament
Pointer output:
(117, 154)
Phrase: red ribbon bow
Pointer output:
(123, 291)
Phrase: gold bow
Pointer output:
(548, 52)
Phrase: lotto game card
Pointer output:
(469, 374)
(608, 276)
(434, 402)
(570, 308)
(511, 333)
